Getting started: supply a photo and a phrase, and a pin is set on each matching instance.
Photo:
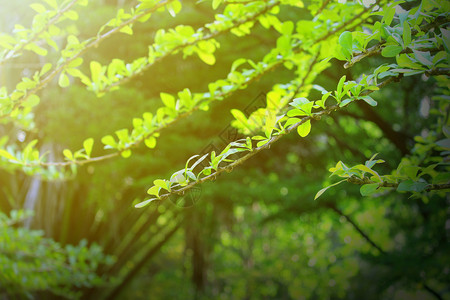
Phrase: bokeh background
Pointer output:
(255, 233)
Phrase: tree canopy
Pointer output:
(226, 149)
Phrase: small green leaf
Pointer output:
(126, 153)
(423, 57)
(154, 190)
(389, 15)
(291, 121)
(216, 4)
(444, 143)
(345, 102)
(68, 154)
(150, 142)
(391, 50)
(411, 186)
(109, 141)
(304, 129)
(319, 193)
(262, 143)
(37, 49)
(174, 8)
(368, 189)
(368, 170)
(45, 68)
(39, 8)
(7, 155)
(346, 42)
(88, 144)
(63, 80)
(96, 68)
(446, 37)
(145, 203)
(168, 100)
(162, 184)
(127, 30)
(32, 101)
(206, 57)
(369, 100)
(406, 34)
(340, 86)
(71, 15)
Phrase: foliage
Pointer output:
(366, 46)
(48, 266)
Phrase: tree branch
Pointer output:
(93, 43)
(14, 52)
(365, 180)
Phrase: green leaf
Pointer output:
(345, 102)
(63, 80)
(150, 142)
(37, 49)
(423, 57)
(368, 170)
(391, 50)
(68, 154)
(145, 203)
(346, 42)
(369, 100)
(52, 3)
(444, 143)
(45, 69)
(32, 101)
(206, 57)
(122, 134)
(406, 34)
(154, 190)
(304, 129)
(7, 155)
(287, 28)
(174, 8)
(319, 193)
(126, 153)
(446, 37)
(404, 61)
(96, 69)
(88, 144)
(368, 189)
(168, 100)
(291, 121)
(127, 30)
(216, 4)
(39, 8)
(109, 141)
(199, 161)
(71, 15)
(238, 115)
(262, 143)
(339, 88)
(162, 184)
(389, 15)
(411, 186)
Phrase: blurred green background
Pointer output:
(255, 233)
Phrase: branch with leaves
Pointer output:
(25, 39)
(25, 94)
(147, 128)
(274, 128)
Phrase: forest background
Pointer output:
(260, 218)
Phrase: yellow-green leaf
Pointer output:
(7, 155)
(87, 144)
(304, 129)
